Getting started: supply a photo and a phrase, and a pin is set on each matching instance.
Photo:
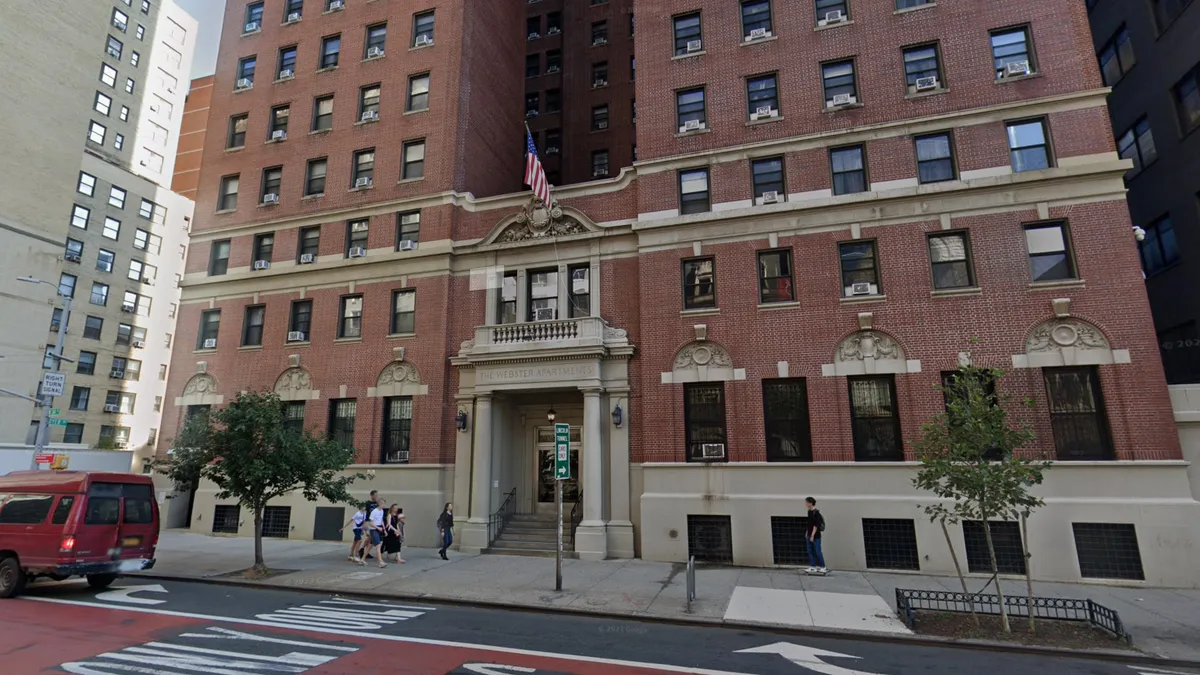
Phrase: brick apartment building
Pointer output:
(831, 200)
(192, 132)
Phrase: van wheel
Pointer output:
(101, 581)
(12, 577)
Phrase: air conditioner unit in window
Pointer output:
(117, 374)
(112, 408)
(128, 309)
(270, 198)
(138, 344)
(597, 173)
(1016, 68)
(860, 288)
(599, 83)
(72, 257)
(293, 17)
(262, 264)
(279, 135)
(114, 53)
(251, 27)
(543, 314)
(691, 125)
(210, 343)
(763, 112)
(601, 125)
(307, 258)
(54, 326)
(374, 52)
(422, 41)
(531, 113)
(149, 281)
(712, 451)
(357, 252)
(836, 16)
(552, 150)
(370, 116)
(365, 181)
(244, 83)
(336, 5)
(599, 41)
(295, 336)
(553, 69)
(758, 34)
(407, 245)
(694, 46)
(770, 197)
(840, 99)
(926, 83)
(553, 30)
(286, 73)
(533, 36)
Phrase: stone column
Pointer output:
(591, 541)
(475, 531)
(620, 528)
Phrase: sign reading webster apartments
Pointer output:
(555, 372)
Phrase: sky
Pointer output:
(209, 13)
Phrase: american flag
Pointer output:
(535, 175)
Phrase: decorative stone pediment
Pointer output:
(869, 352)
(200, 390)
(702, 361)
(1067, 341)
(537, 222)
(295, 384)
(399, 378)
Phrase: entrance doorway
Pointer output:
(544, 480)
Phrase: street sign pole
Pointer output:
(562, 472)
(44, 425)
(558, 550)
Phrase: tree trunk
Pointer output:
(260, 566)
(958, 570)
(987, 532)
(1028, 574)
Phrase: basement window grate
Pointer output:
(1006, 537)
(788, 540)
(710, 538)
(1108, 551)
(277, 521)
(225, 518)
(891, 544)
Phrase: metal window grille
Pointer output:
(277, 521)
(710, 538)
(1006, 537)
(704, 417)
(1108, 551)
(875, 418)
(891, 544)
(225, 518)
(785, 414)
(293, 416)
(341, 426)
(1077, 414)
(397, 430)
(788, 540)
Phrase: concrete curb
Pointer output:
(692, 621)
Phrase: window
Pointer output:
(254, 15)
(120, 20)
(1137, 143)
(116, 197)
(935, 158)
(93, 326)
(849, 170)
(600, 74)
(162, 377)
(909, 4)
(114, 47)
(72, 434)
(762, 97)
(145, 6)
(397, 429)
(141, 31)
(286, 67)
(553, 23)
(1116, 57)
(1166, 11)
(252, 326)
(1028, 146)
(689, 109)
(124, 113)
(756, 19)
(1187, 100)
(1049, 252)
(323, 113)
(532, 104)
(331, 48)
(1077, 414)
(554, 100)
(293, 416)
(272, 179)
(102, 104)
(775, 276)
(227, 201)
(301, 318)
(766, 177)
(710, 538)
(218, 258)
(74, 247)
(80, 216)
(210, 325)
(144, 241)
(922, 68)
(533, 65)
(364, 167)
(226, 518)
(699, 283)
(837, 79)
(704, 420)
(138, 304)
(875, 419)
(47, 362)
(891, 543)
(264, 246)
(356, 235)
(785, 416)
(376, 40)
(105, 260)
(599, 33)
(96, 132)
(860, 273)
(86, 365)
(87, 184)
(80, 396)
(506, 311)
(1011, 46)
(599, 163)
(133, 369)
(404, 311)
(1159, 248)
(125, 333)
(147, 210)
(693, 191)
(408, 227)
(245, 71)
(579, 291)
(237, 131)
(554, 142)
(119, 141)
(422, 29)
(600, 117)
(20, 509)
(293, 10)
(310, 241)
(99, 294)
(950, 256)
(414, 160)
(341, 420)
(543, 295)
(66, 285)
(314, 183)
(279, 122)
(368, 103)
(108, 75)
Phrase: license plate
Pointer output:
(131, 541)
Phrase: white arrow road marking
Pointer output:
(807, 657)
(1147, 670)
(122, 594)
(495, 669)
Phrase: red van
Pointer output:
(61, 524)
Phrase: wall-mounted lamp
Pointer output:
(460, 420)
(617, 416)
(550, 414)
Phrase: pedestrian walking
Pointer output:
(357, 520)
(816, 525)
(372, 502)
(375, 530)
(445, 525)
(392, 534)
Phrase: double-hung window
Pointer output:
(227, 200)
(423, 29)
(762, 97)
(1159, 248)
(860, 270)
(922, 68)
(300, 321)
(1077, 416)
(756, 19)
(414, 160)
(1137, 143)
(279, 122)
(687, 34)
(506, 299)
(766, 176)
(1028, 145)
(1187, 100)
(287, 63)
(331, 48)
(323, 113)
(404, 311)
(699, 283)
(314, 183)
(310, 241)
(342, 414)
(950, 258)
(408, 228)
(272, 181)
(1116, 57)
(579, 291)
(364, 168)
(775, 283)
(935, 158)
(252, 326)
(376, 41)
(690, 109)
(1011, 53)
(849, 170)
(236, 137)
(368, 103)
(245, 71)
(397, 429)
(357, 232)
(693, 191)
(1049, 252)
(838, 83)
(218, 258)
(543, 295)
(210, 327)
(350, 317)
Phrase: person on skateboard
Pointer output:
(816, 525)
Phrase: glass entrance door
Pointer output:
(545, 463)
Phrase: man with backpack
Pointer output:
(816, 525)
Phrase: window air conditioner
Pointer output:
(251, 27)
(602, 125)
(1016, 68)
(370, 116)
(365, 181)
(336, 5)
(374, 52)
(597, 173)
(422, 40)
(543, 314)
(926, 83)
(358, 252)
(836, 16)
(286, 74)
(293, 17)
(763, 112)
(262, 264)
(758, 34)
(860, 288)
(295, 336)
(210, 343)
(72, 257)
(54, 326)
(114, 53)
(149, 281)
(840, 99)
(138, 344)
(307, 258)
(694, 46)
(407, 245)
(111, 408)
(770, 197)
(531, 113)
(599, 83)
(533, 36)
(552, 150)
(691, 125)
(279, 134)
(117, 374)
(128, 309)
(270, 198)
(712, 451)
(599, 41)
(244, 83)
(553, 31)
(553, 69)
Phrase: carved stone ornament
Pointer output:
(537, 220)
(611, 333)
(869, 344)
(200, 384)
(1059, 333)
(702, 354)
(293, 379)
(466, 346)
(399, 372)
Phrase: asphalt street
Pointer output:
(177, 628)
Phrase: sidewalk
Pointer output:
(1164, 622)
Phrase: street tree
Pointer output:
(969, 461)
(252, 456)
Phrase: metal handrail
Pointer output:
(576, 516)
(498, 520)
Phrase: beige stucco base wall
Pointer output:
(1185, 399)
(420, 489)
(1155, 496)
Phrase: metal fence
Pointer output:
(1059, 609)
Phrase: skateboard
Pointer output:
(816, 573)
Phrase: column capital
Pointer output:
(591, 391)
(484, 396)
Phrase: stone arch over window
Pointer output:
(538, 223)
(1068, 341)
(702, 361)
(398, 378)
(295, 384)
(200, 390)
(869, 352)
